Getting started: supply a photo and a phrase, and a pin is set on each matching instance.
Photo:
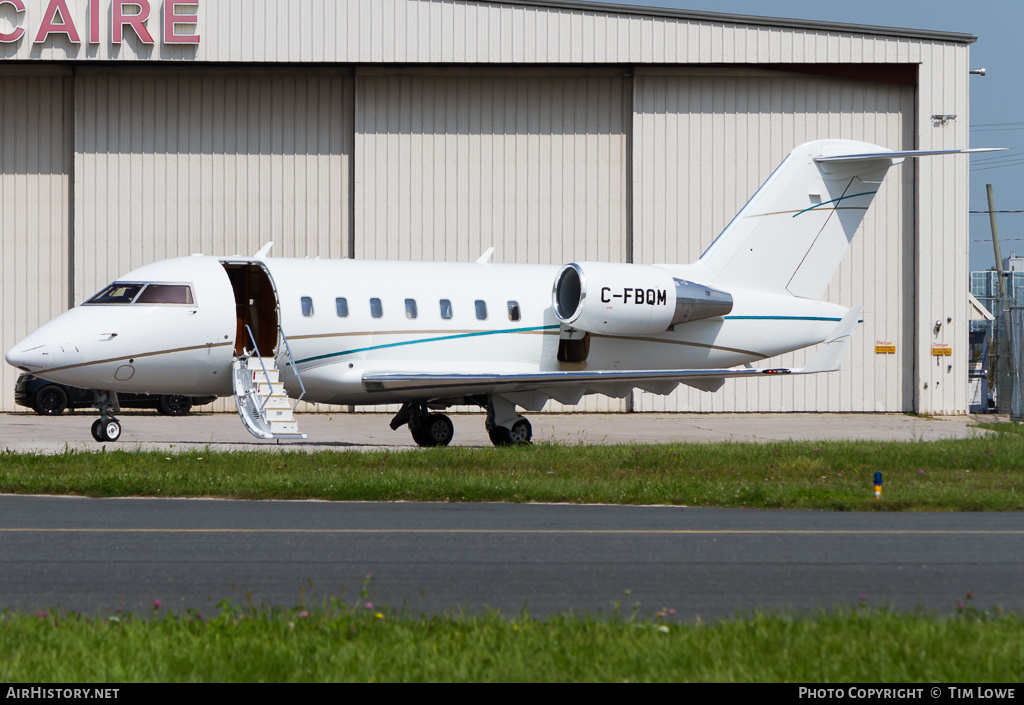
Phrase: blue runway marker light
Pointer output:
(878, 485)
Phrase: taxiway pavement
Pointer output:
(95, 555)
(28, 432)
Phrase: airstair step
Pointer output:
(262, 401)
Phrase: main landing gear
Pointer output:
(106, 427)
(429, 429)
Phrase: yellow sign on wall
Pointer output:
(885, 348)
(942, 349)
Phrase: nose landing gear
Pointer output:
(106, 428)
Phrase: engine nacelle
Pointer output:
(631, 299)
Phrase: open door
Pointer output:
(255, 307)
(260, 397)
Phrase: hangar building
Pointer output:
(433, 129)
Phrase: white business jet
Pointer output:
(431, 335)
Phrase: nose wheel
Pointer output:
(106, 429)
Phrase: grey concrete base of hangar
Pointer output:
(29, 433)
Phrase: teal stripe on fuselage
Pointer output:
(526, 330)
(423, 340)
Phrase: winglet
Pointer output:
(485, 258)
(831, 354)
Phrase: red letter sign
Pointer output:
(172, 18)
(49, 26)
(137, 21)
(94, 21)
(14, 36)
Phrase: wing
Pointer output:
(530, 390)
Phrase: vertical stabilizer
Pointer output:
(793, 232)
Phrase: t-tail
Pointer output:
(792, 234)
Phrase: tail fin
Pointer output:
(793, 232)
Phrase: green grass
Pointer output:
(352, 643)
(959, 475)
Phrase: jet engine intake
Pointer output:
(631, 299)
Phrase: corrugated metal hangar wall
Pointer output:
(107, 166)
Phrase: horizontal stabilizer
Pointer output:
(910, 153)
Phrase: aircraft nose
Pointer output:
(32, 354)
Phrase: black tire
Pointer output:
(51, 400)
(433, 430)
(499, 435)
(520, 434)
(439, 430)
(173, 405)
(419, 435)
(96, 432)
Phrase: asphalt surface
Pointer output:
(96, 555)
(27, 432)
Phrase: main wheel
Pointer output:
(173, 405)
(50, 400)
(499, 435)
(419, 434)
(521, 432)
(438, 430)
(96, 431)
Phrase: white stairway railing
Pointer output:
(263, 404)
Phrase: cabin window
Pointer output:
(165, 294)
(410, 308)
(307, 306)
(117, 294)
(513, 311)
(481, 310)
(376, 310)
(341, 304)
(446, 309)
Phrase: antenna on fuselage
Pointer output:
(263, 250)
(485, 258)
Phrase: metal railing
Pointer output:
(289, 357)
(291, 361)
(256, 351)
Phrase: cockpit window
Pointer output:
(122, 294)
(165, 294)
(117, 293)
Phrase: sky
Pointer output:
(997, 98)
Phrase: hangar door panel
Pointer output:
(171, 165)
(532, 164)
(33, 210)
(704, 142)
